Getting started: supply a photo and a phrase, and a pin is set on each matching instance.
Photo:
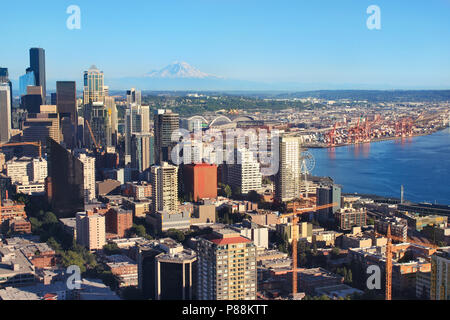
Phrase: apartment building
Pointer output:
(440, 275)
(226, 267)
(91, 230)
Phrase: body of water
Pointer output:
(421, 164)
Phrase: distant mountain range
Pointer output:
(181, 76)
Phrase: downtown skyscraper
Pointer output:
(66, 101)
(165, 124)
(37, 65)
(5, 112)
(288, 177)
(93, 85)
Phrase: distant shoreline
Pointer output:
(374, 140)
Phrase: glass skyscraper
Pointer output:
(93, 86)
(26, 80)
(66, 101)
(37, 65)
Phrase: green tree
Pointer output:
(254, 196)
(177, 235)
(227, 190)
(111, 249)
(49, 218)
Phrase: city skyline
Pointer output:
(289, 46)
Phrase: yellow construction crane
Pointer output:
(97, 146)
(298, 208)
(15, 144)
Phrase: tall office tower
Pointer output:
(288, 178)
(91, 230)
(106, 91)
(4, 78)
(137, 120)
(226, 267)
(246, 173)
(37, 65)
(42, 125)
(65, 182)
(110, 104)
(164, 180)
(5, 113)
(440, 274)
(165, 123)
(66, 101)
(89, 176)
(141, 156)
(326, 195)
(134, 97)
(28, 79)
(93, 86)
(145, 119)
(33, 99)
(97, 114)
(140, 119)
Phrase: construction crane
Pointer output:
(298, 208)
(389, 264)
(15, 144)
(97, 146)
(389, 251)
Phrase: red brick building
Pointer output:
(118, 221)
(10, 210)
(200, 181)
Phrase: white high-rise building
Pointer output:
(5, 113)
(20, 170)
(137, 120)
(26, 170)
(288, 178)
(164, 188)
(89, 176)
(40, 171)
(246, 174)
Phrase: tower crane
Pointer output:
(389, 251)
(97, 146)
(298, 208)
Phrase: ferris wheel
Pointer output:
(308, 162)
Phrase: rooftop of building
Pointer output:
(443, 252)
(18, 294)
(69, 222)
(10, 203)
(340, 290)
(119, 260)
(94, 289)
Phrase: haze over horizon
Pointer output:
(251, 45)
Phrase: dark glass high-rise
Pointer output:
(37, 65)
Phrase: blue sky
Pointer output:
(320, 42)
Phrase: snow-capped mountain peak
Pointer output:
(179, 70)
